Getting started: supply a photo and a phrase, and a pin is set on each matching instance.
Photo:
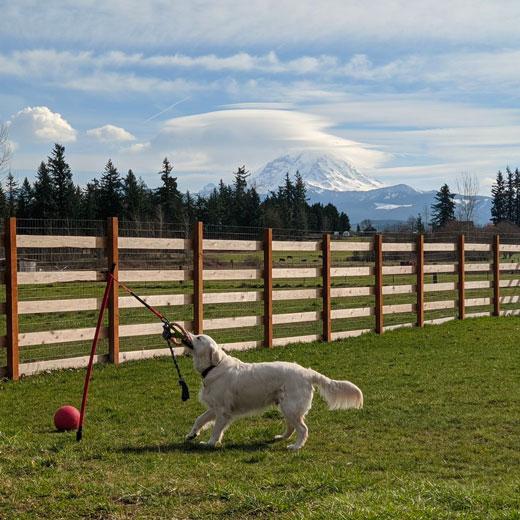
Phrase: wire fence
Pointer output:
(61, 270)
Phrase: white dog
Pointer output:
(233, 389)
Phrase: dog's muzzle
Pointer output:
(187, 342)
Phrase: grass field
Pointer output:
(437, 439)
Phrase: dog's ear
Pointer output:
(216, 355)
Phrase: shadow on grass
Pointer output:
(187, 447)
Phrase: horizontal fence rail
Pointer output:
(263, 286)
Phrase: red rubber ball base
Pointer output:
(66, 418)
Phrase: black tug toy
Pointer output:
(173, 333)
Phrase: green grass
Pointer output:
(437, 439)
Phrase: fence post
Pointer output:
(268, 288)
(420, 280)
(461, 269)
(198, 278)
(11, 299)
(496, 275)
(378, 288)
(326, 318)
(113, 302)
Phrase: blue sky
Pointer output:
(413, 92)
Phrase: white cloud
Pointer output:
(40, 124)
(254, 136)
(137, 147)
(273, 22)
(117, 71)
(110, 134)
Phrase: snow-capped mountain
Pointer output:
(319, 170)
(332, 179)
(391, 204)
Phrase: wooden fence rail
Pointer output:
(373, 281)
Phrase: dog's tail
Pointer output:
(337, 394)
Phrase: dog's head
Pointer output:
(205, 351)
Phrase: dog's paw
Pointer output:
(190, 436)
(279, 437)
(210, 444)
(293, 447)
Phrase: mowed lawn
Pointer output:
(439, 437)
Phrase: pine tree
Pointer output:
(225, 204)
(25, 200)
(344, 222)
(517, 197)
(443, 211)
(190, 211)
(110, 192)
(419, 224)
(64, 193)
(11, 194)
(43, 203)
(169, 198)
(90, 201)
(254, 210)
(300, 203)
(499, 203)
(240, 198)
(330, 219)
(136, 198)
(3, 203)
(510, 195)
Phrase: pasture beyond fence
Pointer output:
(244, 287)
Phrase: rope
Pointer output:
(172, 333)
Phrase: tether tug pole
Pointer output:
(88, 376)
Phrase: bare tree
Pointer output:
(467, 188)
(5, 147)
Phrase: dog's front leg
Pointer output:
(200, 422)
(221, 423)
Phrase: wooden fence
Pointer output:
(415, 269)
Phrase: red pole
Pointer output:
(88, 376)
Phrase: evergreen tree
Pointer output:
(499, 203)
(517, 197)
(43, 194)
(136, 198)
(254, 210)
(11, 195)
(419, 224)
(3, 202)
(330, 219)
(510, 196)
(169, 198)
(90, 203)
(443, 211)
(300, 203)
(201, 208)
(190, 210)
(240, 197)
(225, 204)
(25, 200)
(110, 192)
(344, 222)
(64, 193)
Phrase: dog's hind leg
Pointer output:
(289, 430)
(294, 406)
(221, 423)
(200, 422)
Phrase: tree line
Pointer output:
(54, 195)
(505, 193)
